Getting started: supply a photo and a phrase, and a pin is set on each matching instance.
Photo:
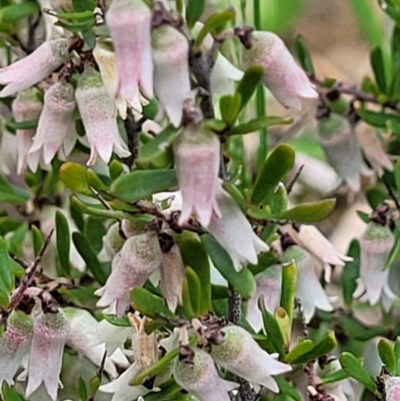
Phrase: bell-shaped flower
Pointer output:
(50, 332)
(96, 109)
(129, 22)
(14, 345)
(197, 154)
(172, 277)
(112, 336)
(171, 70)
(308, 288)
(269, 283)
(83, 338)
(31, 69)
(54, 122)
(113, 240)
(25, 107)
(336, 136)
(139, 257)
(375, 245)
(240, 354)
(282, 76)
(234, 232)
(200, 378)
(392, 388)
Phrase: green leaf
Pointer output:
(37, 240)
(300, 349)
(190, 246)
(322, 347)
(303, 55)
(81, 389)
(193, 12)
(95, 231)
(375, 196)
(10, 394)
(337, 376)
(10, 194)
(397, 355)
(194, 287)
(93, 180)
(242, 281)
(6, 277)
(378, 119)
(249, 83)
(351, 272)
(258, 123)
(229, 106)
(279, 162)
(213, 23)
(83, 5)
(84, 248)
(15, 12)
(122, 321)
(354, 368)
(63, 240)
(286, 388)
(73, 175)
(386, 353)
(289, 282)
(149, 304)
(265, 260)
(272, 329)
(143, 183)
(309, 212)
(395, 42)
(378, 66)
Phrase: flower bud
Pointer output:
(130, 28)
(240, 354)
(392, 388)
(171, 70)
(375, 245)
(55, 121)
(308, 287)
(50, 332)
(336, 136)
(282, 76)
(96, 109)
(139, 257)
(14, 345)
(25, 107)
(196, 153)
(31, 69)
(234, 232)
(172, 277)
(200, 378)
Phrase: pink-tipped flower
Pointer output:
(54, 122)
(392, 388)
(282, 76)
(97, 109)
(50, 332)
(139, 257)
(375, 245)
(130, 28)
(197, 153)
(234, 232)
(31, 69)
(269, 284)
(336, 136)
(14, 345)
(171, 71)
(172, 277)
(26, 107)
(240, 354)
(200, 378)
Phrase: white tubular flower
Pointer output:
(112, 336)
(336, 136)
(139, 257)
(196, 153)
(25, 107)
(14, 345)
(308, 289)
(96, 109)
(392, 388)
(50, 332)
(200, 378)
(130, 28)
(240, 354)
(31, 69)
(282, 76)
(55, 121)
(269, 283)
(375, 245)
(311, 239)
(83, 338)
(234, 232)
(172, 277)
(171, 71)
